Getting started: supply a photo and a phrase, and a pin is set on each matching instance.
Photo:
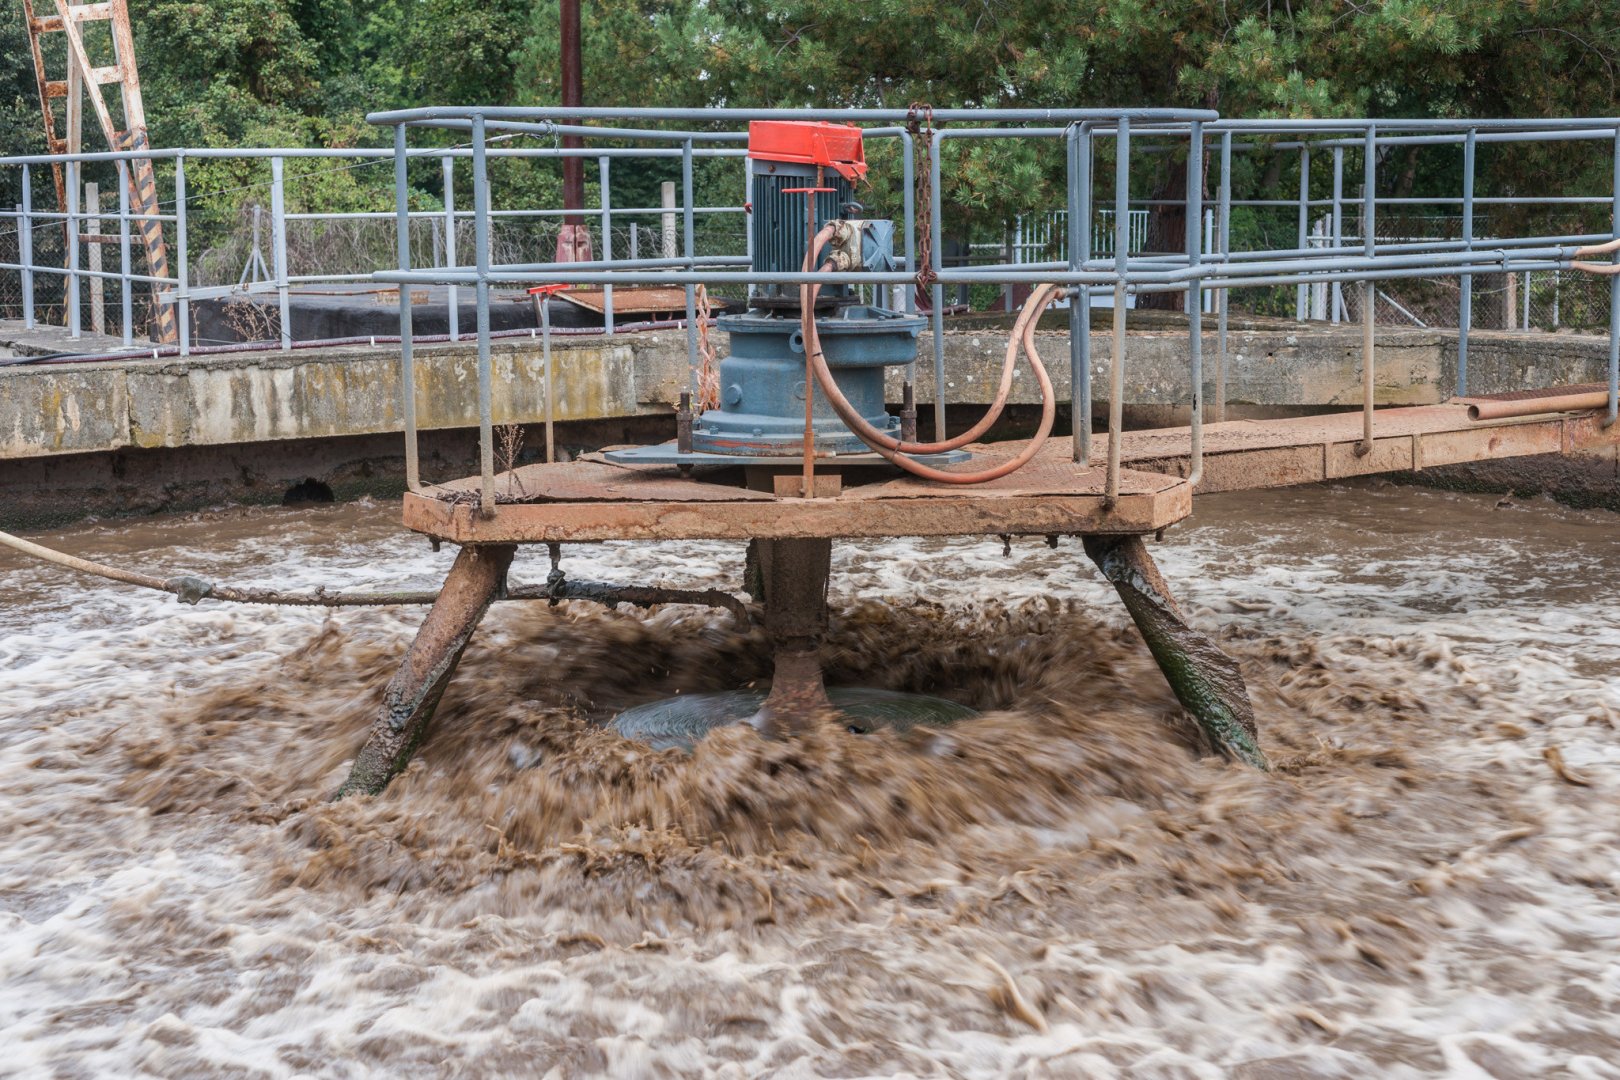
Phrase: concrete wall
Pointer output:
(305, 394)
(319, 393)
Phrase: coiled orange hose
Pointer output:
(894, 450)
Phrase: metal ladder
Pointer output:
(85, 80)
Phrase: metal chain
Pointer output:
(920, 122)
(708, 380)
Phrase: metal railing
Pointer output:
(1190, 271)
(1204, 265)
(31, 224)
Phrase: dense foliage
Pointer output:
(304, 72)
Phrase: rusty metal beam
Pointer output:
(1207, 682)
(794, 574)
(476, 579)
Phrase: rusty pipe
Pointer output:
(1503, 410)
(1608, 247)
(1605, 269)
(573, 96)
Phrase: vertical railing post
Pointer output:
(1302, 299)
(1207, 303)
(407, 355)
(937, 291)
(1079, 243)
(748, 224)
(182, 292)
(1336, 302)
(1195, 314)
(666, 221)
(71, 255)
(1614, 303)
(486, 439)
(908, 199)
(1369, 288)
(607, 242)
(1465, 303)
(452, 299)
(1225, 298)
(98, 290)
(126, 298)
(278, 258)
(689, 246)
(1122, 244)
(25, 246)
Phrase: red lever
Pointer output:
(547, 290)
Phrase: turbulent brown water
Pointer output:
(1429, 883)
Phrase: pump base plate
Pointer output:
(667, 454)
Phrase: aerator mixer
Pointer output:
(804, 184)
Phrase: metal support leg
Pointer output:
(1207, 682)
(476, 579)
(1369, 296)
(794, 574)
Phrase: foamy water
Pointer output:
(1429, 883)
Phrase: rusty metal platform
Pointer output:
(630, 300)
(1246, 454)
(594, 500)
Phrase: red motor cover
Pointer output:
(837, 146)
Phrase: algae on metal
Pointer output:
(1207, 682)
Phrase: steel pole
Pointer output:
(1087, 407)
(1195, 309)
(1122, 241)
(1337, 300)
(1369, 290)
(1079, 242)
(452, 302)
(1225, 294)
(182, 268)
(486, 435)
(908, 200)
(278, 253)
(402, 251)
(72, 253)
(1465, 303)
(607, 243)
(1302, 297)
(126, 299)
(748, 225)
(1614, 304)
(25, 246)
(937, 292)
(689, 249)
